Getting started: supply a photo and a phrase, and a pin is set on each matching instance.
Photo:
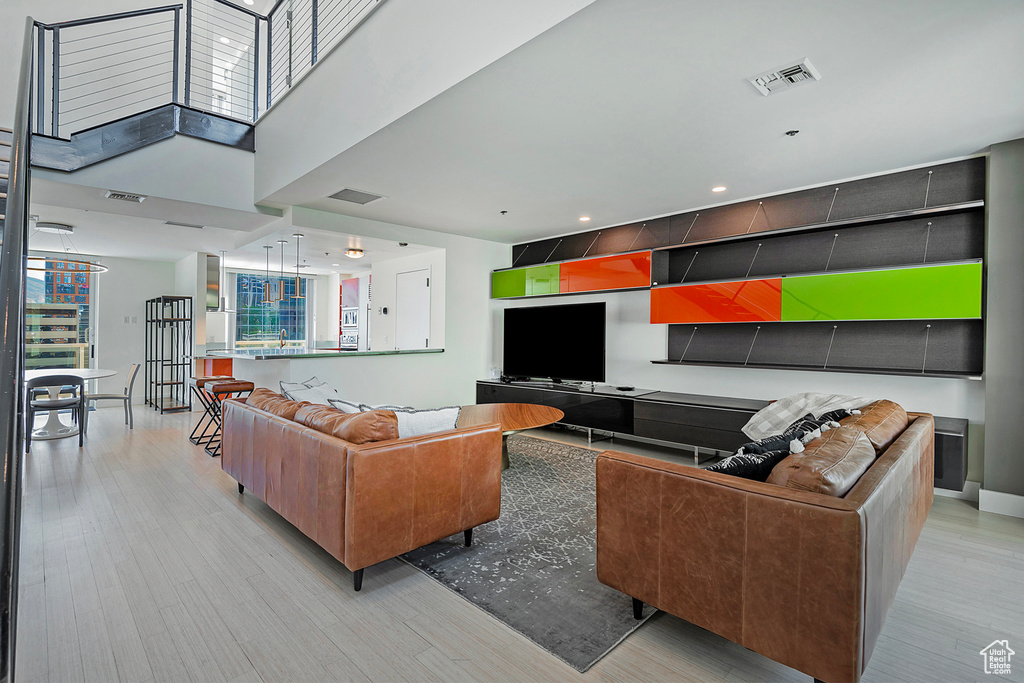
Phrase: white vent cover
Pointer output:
(126, 196)
(356, 196)
(184, 225)
(785, 77)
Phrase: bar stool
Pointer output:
(219, 391)
(205, 400)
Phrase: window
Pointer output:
(57, 317)
(260, 325)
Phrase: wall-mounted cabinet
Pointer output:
(622, 271)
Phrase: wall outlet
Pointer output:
(126, 319)
(135, 319)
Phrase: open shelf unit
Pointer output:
(168, 353)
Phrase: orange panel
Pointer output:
(207, 366)
(721, 302)
(608, 272)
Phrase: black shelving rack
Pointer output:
(168, 353)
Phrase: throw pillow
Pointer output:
(319, 394)
(831, 465)
(288, 387)
(412, 422)
(356, 428)
(882, 422)
(779, 442)
(756, 466)
(344, 406)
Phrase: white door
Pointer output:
(412, 310)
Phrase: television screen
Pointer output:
(557, 342)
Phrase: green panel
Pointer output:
(542, 280)
(506, 283)
(902, 294)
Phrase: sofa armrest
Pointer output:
(405, 493)
(772, 569)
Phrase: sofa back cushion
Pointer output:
(356, 428)
(274, 403)
(831, 464)
(882, 422)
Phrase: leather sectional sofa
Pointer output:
(801, 577)
(349, 483)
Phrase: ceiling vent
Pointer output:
(785, 77)
(126, 196)
(184, 225)
(356, 196)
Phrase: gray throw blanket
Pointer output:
(776, 417)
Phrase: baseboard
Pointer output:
(970, 492)
(1001, 503)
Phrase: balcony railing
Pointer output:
(210, 55)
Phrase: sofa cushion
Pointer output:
(356, 428)
(831, 464)
(756, 466)
(274, 403)
(882, 421)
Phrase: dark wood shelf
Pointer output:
(858, 371)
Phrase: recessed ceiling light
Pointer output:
(336, 265)
(225, 40)
(720, 188)
(354, 253)
(584, 219)
(250, 2)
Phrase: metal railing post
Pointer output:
(56, 83)
(270, 59)
(40, 75)
(174, 72)
(256, 70)
(313, 32)
(188, 52)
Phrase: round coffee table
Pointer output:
(513, 417)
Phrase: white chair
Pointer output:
(129, 384)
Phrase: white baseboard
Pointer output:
(970, 492)
(1001, 503)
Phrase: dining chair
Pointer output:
(126, 397)
(75, 386)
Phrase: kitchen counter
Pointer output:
(297, 353)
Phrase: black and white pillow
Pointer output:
(756, 466)
(345, 406)
(412, 422)
(288, 387)
(772, 443)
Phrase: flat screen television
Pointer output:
(558, 342)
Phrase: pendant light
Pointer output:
(223, 307)
(280, 282)
(298, 282)
(267, 300)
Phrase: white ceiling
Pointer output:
(631, 109)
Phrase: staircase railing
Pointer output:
(13, 265)
(210, 55)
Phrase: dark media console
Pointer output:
(710, 422)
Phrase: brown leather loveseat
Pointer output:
(351, 485)
(803, 578)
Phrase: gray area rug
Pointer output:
(534, 568)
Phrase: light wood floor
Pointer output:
(141, 562)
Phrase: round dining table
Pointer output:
(54, 428)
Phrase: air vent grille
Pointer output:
(126, 196)
(184, 225)
(785, 77)
(356, 196)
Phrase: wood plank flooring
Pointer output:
(141, 562)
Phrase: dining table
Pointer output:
(54, 428)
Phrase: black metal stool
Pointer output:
(219, 391)
(206, 400)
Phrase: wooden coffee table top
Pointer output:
(512, 417)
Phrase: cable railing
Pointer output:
(13, 265)
(210, 55)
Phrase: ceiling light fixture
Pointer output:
(298, 282)
(250, 2)
(336, 265)
(720, 188)
(224, 40)
(59, 228)
(280, 282)
(223, 307)
(267, 300)
(44, 264)
(354, 253)
(584, 219)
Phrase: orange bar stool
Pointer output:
(219, 391)
(200, 433)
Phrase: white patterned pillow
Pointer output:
(344, 406)
(412, 422)
(321, 394)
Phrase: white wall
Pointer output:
(190, 280)
(386, 68)
(328, 302)
(122, 291)
(385, 276)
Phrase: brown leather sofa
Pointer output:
(362, 502)
(803, 578)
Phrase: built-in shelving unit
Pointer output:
(168, 353)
